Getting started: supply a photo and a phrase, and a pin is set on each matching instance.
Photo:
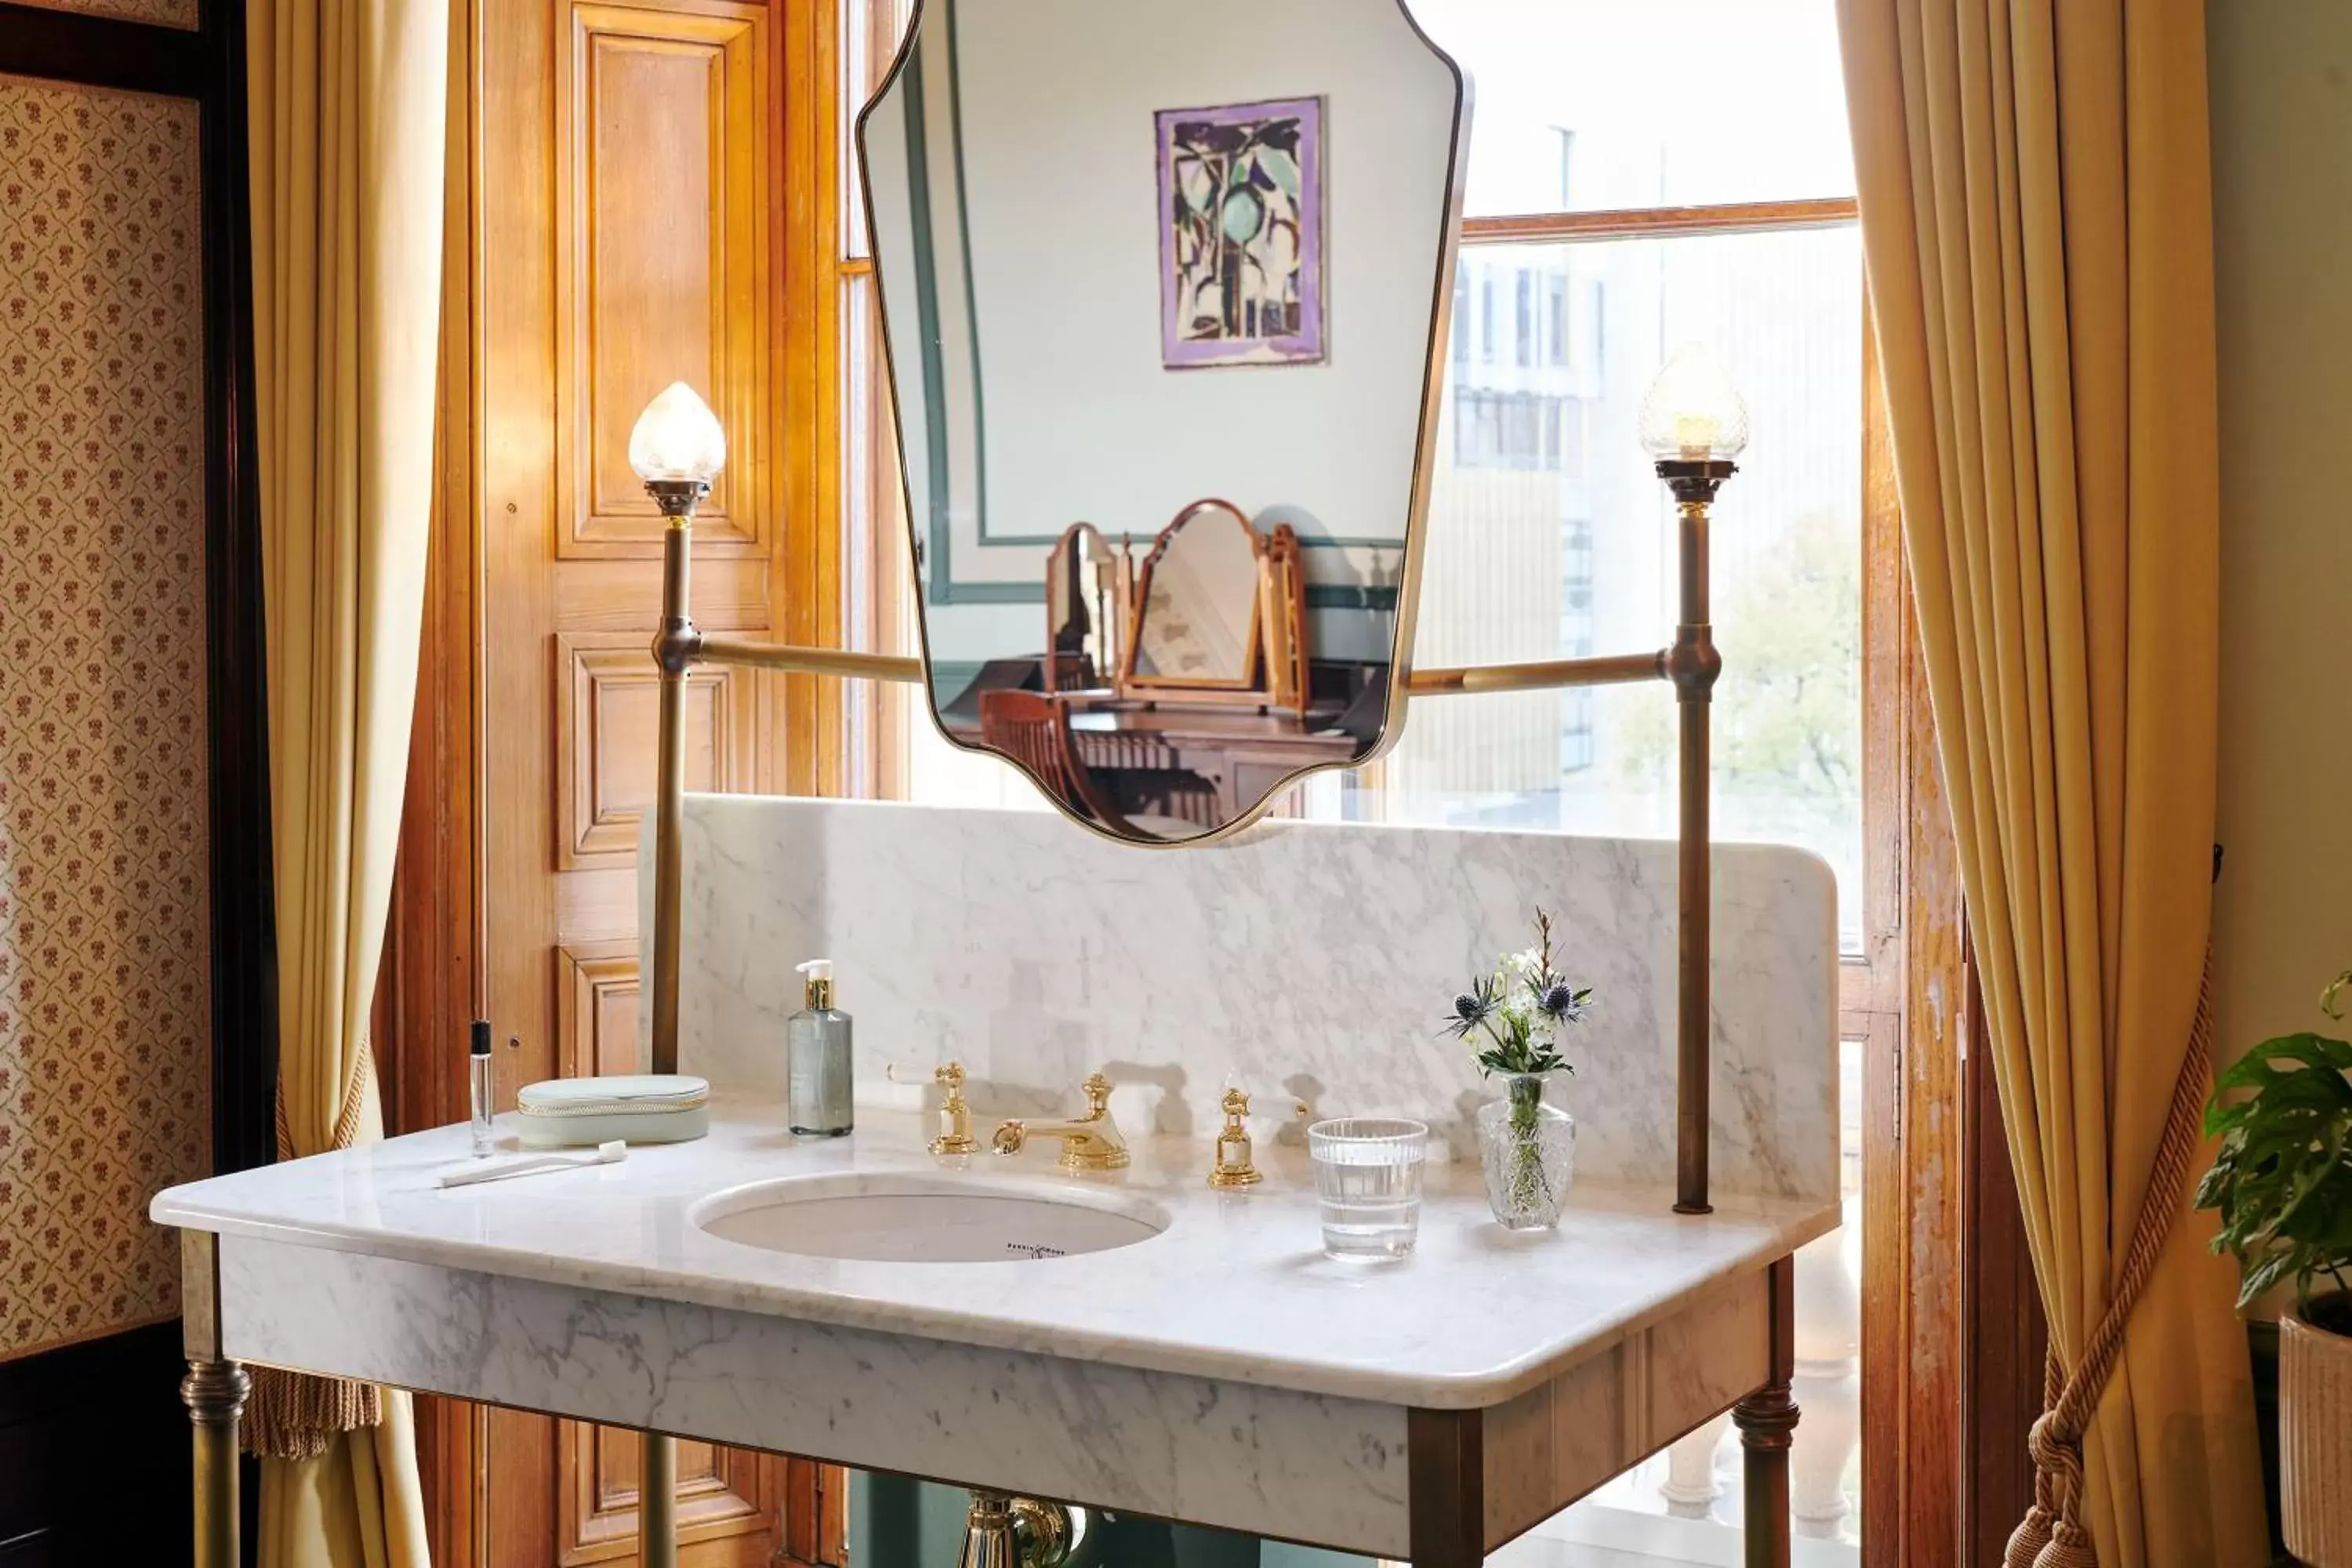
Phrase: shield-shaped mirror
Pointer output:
(1164, 290)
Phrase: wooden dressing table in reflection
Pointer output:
(1175, 698)
(1119, 756)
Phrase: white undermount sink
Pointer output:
(916, 1218)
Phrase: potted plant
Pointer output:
(2283, 1185)
(1514, 1016)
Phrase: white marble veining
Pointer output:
(1236, 1290)
(1305, 962)
(1304, 1467)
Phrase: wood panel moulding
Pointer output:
(606, 715)
(663, 267)
(596, 1008)
(725, 1499)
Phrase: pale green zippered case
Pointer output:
(584, 1113)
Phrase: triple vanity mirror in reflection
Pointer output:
(1164, 291)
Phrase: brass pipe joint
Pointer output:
(1693, 664)
(677, 648)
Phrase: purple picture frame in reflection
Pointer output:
(1240, 234)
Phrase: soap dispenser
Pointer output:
(817, 1039)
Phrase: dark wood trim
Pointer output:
(2005, 1332)
(1445, 1488)
(245, 949)
(81, 1429)
(102, 51)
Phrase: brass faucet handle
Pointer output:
(1233, 1166)
(1097, 1092)
(955, 1114)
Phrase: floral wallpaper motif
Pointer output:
(104, 929)
(163, 12)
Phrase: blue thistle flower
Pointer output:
(1562, 1001)
(1473, 1007)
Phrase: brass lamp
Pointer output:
(1693, 423)
(678, 447)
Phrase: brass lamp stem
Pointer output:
(673, 651)
(1692, 664)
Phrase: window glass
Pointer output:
(1594, 105)
(1550, 537)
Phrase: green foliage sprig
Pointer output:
(2282, 1180)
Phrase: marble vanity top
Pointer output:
(1235, 1287)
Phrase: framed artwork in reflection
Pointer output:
(1240, 234)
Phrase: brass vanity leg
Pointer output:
(214, 1390)
(657, 1503)
(1766, 1420)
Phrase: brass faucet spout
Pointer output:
(1089, 1142)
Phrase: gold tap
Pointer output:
(1089, 1142)
(1233, 1167)
(955, 1115)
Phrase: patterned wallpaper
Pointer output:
(104, 928)
(164, 12)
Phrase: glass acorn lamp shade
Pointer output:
(1693, 414)
(677, 439)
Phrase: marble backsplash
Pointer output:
(1306, 963)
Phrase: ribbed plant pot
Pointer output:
(2316, 1431)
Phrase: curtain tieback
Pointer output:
(2052, 1534)
(297, 1415)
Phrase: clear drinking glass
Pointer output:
(1368, 1177)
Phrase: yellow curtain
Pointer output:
(348, 114)
(2036, 214)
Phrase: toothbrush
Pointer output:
(467, 1175)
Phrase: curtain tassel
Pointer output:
(2057, 1488)
(298, 1414)
(2032, 1536)
(2052, 1535)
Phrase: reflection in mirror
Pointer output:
(1125, 265)
(1197, 603)
(1081, 603)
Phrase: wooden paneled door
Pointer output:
(630, 186)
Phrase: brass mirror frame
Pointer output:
(1255, 679)
(1416, 530)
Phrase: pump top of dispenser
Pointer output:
(816, 983)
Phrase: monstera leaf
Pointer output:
(2282, 1179)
